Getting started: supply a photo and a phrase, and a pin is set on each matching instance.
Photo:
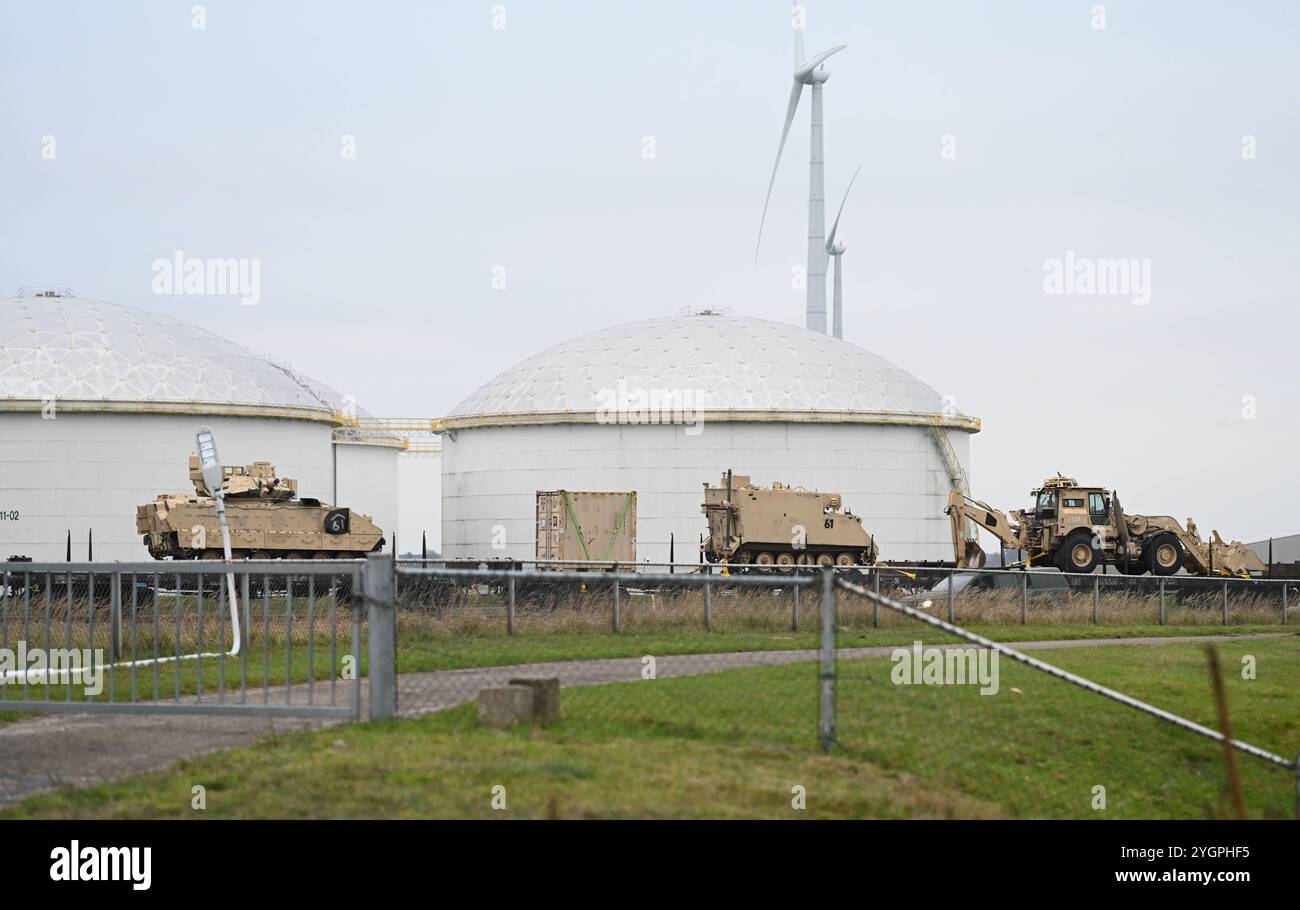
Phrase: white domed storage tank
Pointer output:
(765, 399)
(99, 404)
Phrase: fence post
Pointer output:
(245, 631)
(1284, 603)
(875, 604)
(1162, 601)
(1024, 598)
(952, 578)
(617, 618)
(827, 724)
(115, 617)
(794, 611)
(1225, 601)
(708, 606)
(382, 621)
(1096, 601)
(510, 605)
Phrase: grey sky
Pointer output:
(522, 148)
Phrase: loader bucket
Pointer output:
(1235, 558)
(975, 557)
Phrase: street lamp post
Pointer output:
(211, 467)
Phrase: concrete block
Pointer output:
(505, 706)
(546, 697)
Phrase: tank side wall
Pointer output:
(892, 476)
(367, 483)
(79, 472)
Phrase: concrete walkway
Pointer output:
(78, 750)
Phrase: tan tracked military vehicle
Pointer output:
(779, 527)
(1075, 527)
(267, 520)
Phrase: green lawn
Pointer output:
(424, 648)
(733, 744)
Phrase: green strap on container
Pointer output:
(582, 538)
(618, 525)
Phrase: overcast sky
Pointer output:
(993, 138)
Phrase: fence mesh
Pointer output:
(716, 656)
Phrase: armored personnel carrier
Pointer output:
(267, 520)
(781, 527)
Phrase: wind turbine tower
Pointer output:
(837, 250)
(811, 73)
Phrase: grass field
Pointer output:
(277, 656)
(733, 744)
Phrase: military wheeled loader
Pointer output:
(1076, 528)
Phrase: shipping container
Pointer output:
(583, 526)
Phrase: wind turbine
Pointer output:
(810, 72)
(837, 250)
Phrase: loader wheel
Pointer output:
(1078, 554)
(1164, 554)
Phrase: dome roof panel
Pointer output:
(738, 364)
(89, 350)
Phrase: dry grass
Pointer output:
(477, 612)
(541, 611)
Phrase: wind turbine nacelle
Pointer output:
(811, 73)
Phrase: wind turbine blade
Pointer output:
(830, 240)
(798, 47)
(803, 71)
(795, 91)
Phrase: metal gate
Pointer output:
(163, 638)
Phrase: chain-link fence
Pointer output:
(778, 660)
(700, 654)
(927, 699)
(163, 638)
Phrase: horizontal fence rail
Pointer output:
(971, 595)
